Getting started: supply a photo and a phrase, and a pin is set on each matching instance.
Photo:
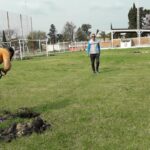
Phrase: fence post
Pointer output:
(20, 49)
(112, 42)
(40, 46)
(63, 46)
(139, 38)
(10, 43)
(23, 50)
(46, 48)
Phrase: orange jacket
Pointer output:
(5, 59)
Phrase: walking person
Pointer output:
(93, 50)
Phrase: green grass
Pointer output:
(106, 111)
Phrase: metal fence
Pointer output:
(28, 48)
(15, 25)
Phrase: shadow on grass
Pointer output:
(105, 70)
(51, 106)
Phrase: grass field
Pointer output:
(106, 111)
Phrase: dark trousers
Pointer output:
(95, 58)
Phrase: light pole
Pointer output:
(138, 23)
(138, 16)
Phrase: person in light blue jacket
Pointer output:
(93, 50)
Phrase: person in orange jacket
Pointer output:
(6, 55)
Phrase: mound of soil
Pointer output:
(37, 124)
(21, 113)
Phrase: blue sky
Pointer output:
(99, 13)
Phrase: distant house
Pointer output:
(146, 22)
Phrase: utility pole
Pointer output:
(138, 17)
(138, 23)
(31, 27)
(8, 24)
(21, 26)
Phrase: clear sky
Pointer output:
(99, 13)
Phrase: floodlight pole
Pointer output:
(21, 26)
(31, 28)
(8, 25)
(20, 50)
(138, 18)
(138, 24)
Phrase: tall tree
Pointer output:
(146, 19)
(52, 34)
(59, 37)
(68, 31)
(83, 33)
(103, 35)
(10, 34)
(37, 35)
(80, 35)
(108, 35)
(85, 28)
(132, 16)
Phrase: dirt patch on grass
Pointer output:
(33, 123)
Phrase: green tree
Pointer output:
(83, 33)
(132, 16)
(103, 35)
(146, 23)
(108, 35)
(80, 35)
(85, 28)
(59, 37)
(36, 35)
(52, 34)
(33, 37)
(10, 34)
(68, 31)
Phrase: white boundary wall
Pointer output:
(59, 47)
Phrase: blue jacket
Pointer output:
(97, 47)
